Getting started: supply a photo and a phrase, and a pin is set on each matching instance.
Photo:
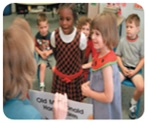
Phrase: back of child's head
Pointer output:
(106, 24)
(83, 20)
(41, 17)
(19, 65)
(22, 23)
(133, 18)
(72, 7)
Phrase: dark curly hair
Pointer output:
(72, 7)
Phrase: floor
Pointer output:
(31, 18)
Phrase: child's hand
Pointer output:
(53, 68)
(87, 65)
(86, 89)
(48, 52)
(84, 66)
(43, 55)
(131, 73)
(125, 71)
(60, 106)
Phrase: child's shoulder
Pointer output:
(48, 35)
(141, 40)
(123, 39)
(38, 35)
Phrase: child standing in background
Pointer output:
(104, 87)
(42, 47)
(84, 25)
(130, 54)
(68, 45)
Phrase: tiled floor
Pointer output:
(31, 18)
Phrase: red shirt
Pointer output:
(89, 50)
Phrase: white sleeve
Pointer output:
(83, 41)
(52, 39)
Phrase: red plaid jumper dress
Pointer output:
(68, 62)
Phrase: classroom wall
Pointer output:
(126, 9)
(93, 9)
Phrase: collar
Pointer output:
(67, 38)
(108, 59)
(132, 40)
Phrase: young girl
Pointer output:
(68, 45)
(84, 25)
(104, 87)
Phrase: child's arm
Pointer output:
(48, 52)
(87, 65)
(107, 95)
(41, 53)
(122, 67)
(138, 67)
(38, 50)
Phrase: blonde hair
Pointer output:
(19, 67)
(106, 23)
(23, 24)
(133, 18)
(83, 20)
(41, 17)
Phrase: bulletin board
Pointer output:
(137, 6)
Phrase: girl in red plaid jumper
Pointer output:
(68, 45)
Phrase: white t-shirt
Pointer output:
(69, 38)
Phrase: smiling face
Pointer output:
(86, 29)
(66, 20)
(131, 30)
(97, 39)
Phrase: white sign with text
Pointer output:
(43, 101)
